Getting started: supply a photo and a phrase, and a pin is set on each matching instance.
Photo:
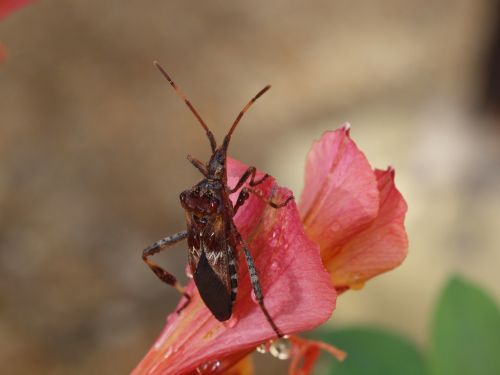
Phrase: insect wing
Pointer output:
(209, 258)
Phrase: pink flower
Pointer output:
(350, 221)
(355, 214)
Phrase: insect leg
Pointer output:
(198, 165)
(242, 197)
(251, 171)
(269, 201)
(163, 275)
(257, 288)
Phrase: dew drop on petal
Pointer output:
(335, 226)
(281, 348)
(208, 367)
(275, 265)
(214, 366)
(262, 349)
(275, 237)
(357, 283)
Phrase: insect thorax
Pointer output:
(203, 199)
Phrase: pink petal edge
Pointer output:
(340, 196)
(380, 247)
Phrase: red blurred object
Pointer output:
(9, 6)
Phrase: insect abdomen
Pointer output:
(212, 290)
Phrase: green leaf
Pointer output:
(465, 332)
(372, 351)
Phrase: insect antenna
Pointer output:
(179, 92)
(227, 138)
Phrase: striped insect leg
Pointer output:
(254, 278)
(162, 274)
(233, 273)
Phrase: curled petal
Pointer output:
(305, 353)
(340, 196)
(380, 247)
(297, 290)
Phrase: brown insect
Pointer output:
(213, 239)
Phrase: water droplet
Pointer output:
(335, 226)
(356, 282)
(281, 348)
(231, 323)
(262, 349)
(208, 367)
(214, 365)
(275, 238)
(274, 266)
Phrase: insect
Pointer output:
(213, 239)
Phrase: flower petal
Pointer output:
(8, 6)
(340, 196)
(380, 247)
(297, 289)
(305, 353)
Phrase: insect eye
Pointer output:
(214, 205)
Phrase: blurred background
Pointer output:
(93, 144)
